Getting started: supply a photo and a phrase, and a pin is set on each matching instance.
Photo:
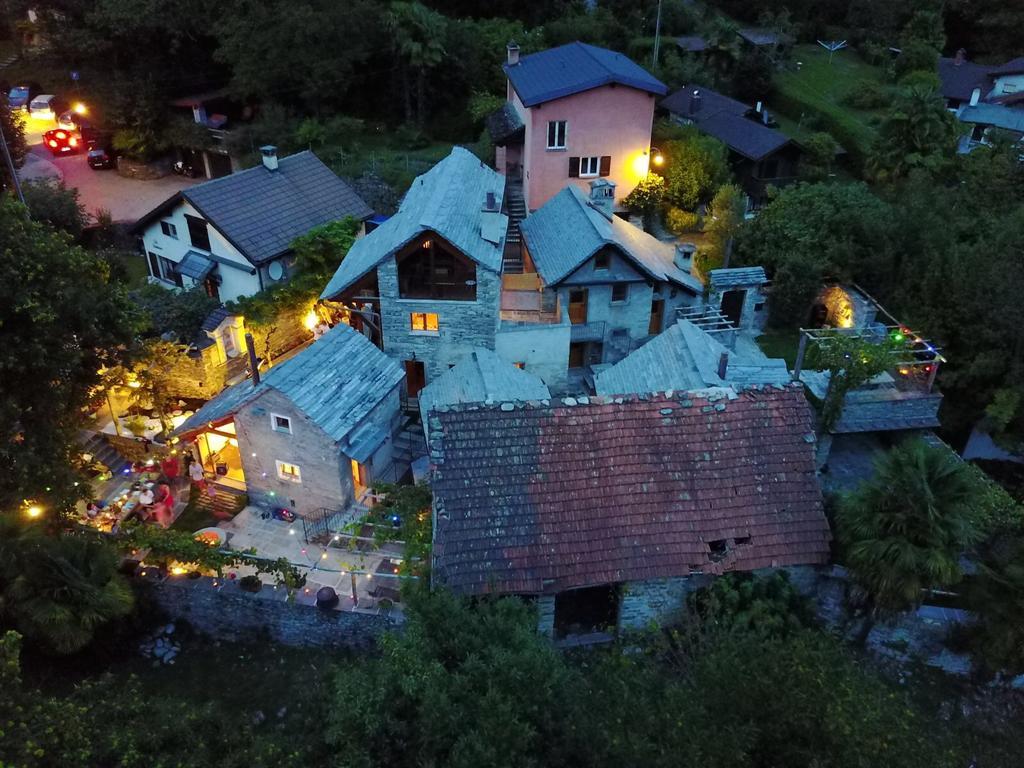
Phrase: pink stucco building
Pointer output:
(574, 113)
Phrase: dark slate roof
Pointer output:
(957, 81)
(539, 499)
(216, 317)
(261, 211)
(194, 265)
(447, 200)
(692, 43)
(556, 254)
(1012, 67)
(505, 125)
(758, 36)
(335, 381)
(888, 409)
(725, 119)
(996, 115)
(732, 277)
(574, 68)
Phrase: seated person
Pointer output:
(146, 498)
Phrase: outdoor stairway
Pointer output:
(515, 207)
(223, 506)
(96, 444)
(409, 443)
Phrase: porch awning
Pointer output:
(195, 265)
(363, 444)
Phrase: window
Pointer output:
(198, 232)
(280, 423)
(154, 264)
(423, 322)
(289, 472)
(588, 166)
(556, 134)
(601, 260)
(431, 269)
(520, 366)
(620, 293)
(169, 229)
(169, 273)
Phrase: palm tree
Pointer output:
(58, 590)
(903, 530)
(919, 132)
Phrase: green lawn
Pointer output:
(815, 91)
(780, 343)
(385, 156)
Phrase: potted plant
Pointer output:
(250, 583)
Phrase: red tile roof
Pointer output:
(541, 498)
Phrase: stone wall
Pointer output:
(199, 375)
(462, 325)
(542, 348)
(546, 615)
(222, 610)
(657, 601)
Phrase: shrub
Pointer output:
(867, 94)
(680, 222)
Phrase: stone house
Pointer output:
(574, 113)
(233, 235)
(620, 285)
(607, 511)
(311, 434)
(427, 284)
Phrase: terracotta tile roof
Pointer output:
(543, 497)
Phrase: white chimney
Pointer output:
(684, 255)
(513, 53)
(602, 197)
(758, 108)
(975, 97)
(269, 153)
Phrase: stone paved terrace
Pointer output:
(330, 565)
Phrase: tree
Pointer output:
(57, 590)
(851, 361)
(179, 312)
(903, 531)
(63, 322)
(726, 218)
(917, 133)
(646, 197)
(55, 204)
(418, 35)
(742, 602)
(13, 128)
(695, 166)
(819, 159)
(997, 597)
(319, 252)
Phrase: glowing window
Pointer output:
(289, 472)
(425, 322)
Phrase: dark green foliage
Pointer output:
(996, 594)
(819, 159)
(646, 197)
(57, 590)
(903, 531)
(917, 133)
(319, 252)
(55, 204)
(742, 602)
(723, 222)
(14, 132)
(62, 321)
(411, 505)
(851, 362)
(179, 312)
(695, 166)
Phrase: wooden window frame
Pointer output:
(422, 319)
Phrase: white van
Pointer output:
(46, 106)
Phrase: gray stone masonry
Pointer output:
(224, 611)
(462, 325)
(326, 474)
(655, 602)
(546, 615)
(634, 314)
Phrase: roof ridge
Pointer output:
(209, 183)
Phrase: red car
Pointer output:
(60, 141)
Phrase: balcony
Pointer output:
(524, 301)
(593, 331)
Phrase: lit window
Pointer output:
(556, 134)
(589, 166)
(520, 366)
(169, 229)
(280, 423)
(425, 322)
(601, 260)
(620, 292)
(289, 472)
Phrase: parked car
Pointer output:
(60, 141)
(101, 152)
(20, 95)
(71, 120)
(46, 106)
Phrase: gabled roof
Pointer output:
(684, 357)
(997, 115)
(958, 81)
(505, 125)
(734, 277)
(448, 200)
(692, 43)
(590, 491)
(480, 378)
(261, 211)
(574, 68)
(1012, 67)
(335, 381)
(566, 231)
(725, 119)
(759, 36)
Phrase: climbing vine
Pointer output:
(851, 361)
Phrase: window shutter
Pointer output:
(574, 167)
(606, 165)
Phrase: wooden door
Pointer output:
(578, 306)
(415, 377)
(657, 312)
(577, 354)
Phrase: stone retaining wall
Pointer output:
(223, 610)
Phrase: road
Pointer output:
(126, 199)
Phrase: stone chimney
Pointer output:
(960, 58)
(696, 100)
(269, 153)
(513, 53)
(602, 197)
(684, 256)
(723, 365)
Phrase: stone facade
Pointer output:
(325, 471)
(462, 325)
(546, 615)
(222, 610)
(542, 348)
(658, 601)
(197, 375)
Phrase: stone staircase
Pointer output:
(409, 444)
(96, 445)
(515, 208)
